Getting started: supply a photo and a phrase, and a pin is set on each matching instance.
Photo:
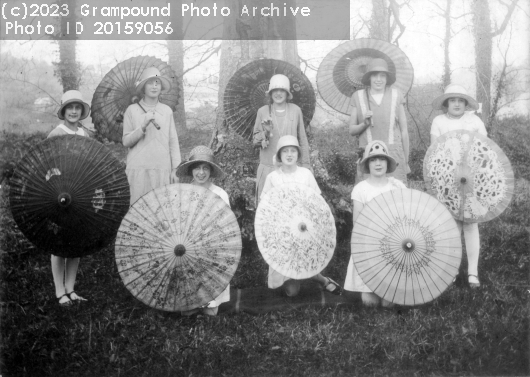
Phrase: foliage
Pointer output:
(512, 136)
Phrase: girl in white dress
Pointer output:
(201, 166)
(454, 102)
(288, 152)
(73, 109)
(378, 163)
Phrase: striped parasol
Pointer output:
(340, 73)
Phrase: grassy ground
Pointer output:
(464, 332)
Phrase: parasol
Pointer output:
(178, 247)
(245, 93)
(295, 230)
(340, 73)
(116, 91)
(68, 195)
(406, 246)
(470, 174)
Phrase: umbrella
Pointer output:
(406, 246)
(245, 93)
(295, 230)
(470, 174)
(340, 73)
(178, 247)
(68, 195)
(116, 91)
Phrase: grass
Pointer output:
(463, 332)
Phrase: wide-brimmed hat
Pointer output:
(286, 141)
(455, 91)
(149, 73)
(377, 148)
(72, 96)
(200, 154)
(280, 81)
(378, 65)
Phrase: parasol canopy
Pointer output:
(68, 195)
(295, 230)
(116, 91)
(245, 93)
(406, 247)
(178, 247)
(470, 174)
(340, 73)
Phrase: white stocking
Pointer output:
(58, 275)
(472, 239)
(71, 272)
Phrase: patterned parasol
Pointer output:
(178, 247)
(245, 93)
(470, 174)
(68, 195)
(340, 73)
(406, 247)
(116, 91)
(295, 231)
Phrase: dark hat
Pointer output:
(200, 154)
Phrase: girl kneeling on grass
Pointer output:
(201, 166)
(73, 109)
(378, 163)
(288, 152)
(454, 102)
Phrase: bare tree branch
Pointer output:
(509, 13)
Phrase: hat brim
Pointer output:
(391, 78)
(437, 104)
(289, 94)
(182, 170)
(391, 166)
(166, 84)
(86, 108)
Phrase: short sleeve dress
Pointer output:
(277, 178)
(363, 192)
(469, 122)
(153, 154)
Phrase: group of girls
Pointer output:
(377, 117)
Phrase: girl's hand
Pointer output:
(264, 143)
(368, 117)
(150, 115)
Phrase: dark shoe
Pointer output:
(63, 302)
(333, 287)
(473, 281)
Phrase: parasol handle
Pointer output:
(302, 227)
(64, 199)
(408, 245)
(136, 100)
(179, 250)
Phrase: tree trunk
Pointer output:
(380, 21)
(176, 61)
(67, 69)
(483, 47)
(446, 78)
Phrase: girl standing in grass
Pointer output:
(73, 109)
(288, 152)
(454, 102)
(378, 114)
(149, 133)
(273, 121)
(378, 163)
(201, 166)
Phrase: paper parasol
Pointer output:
(470, 174)
(295, 230)
(68, 195)
(340, 73)
(117, 89)
(245, 93)
(178, 247)
(406, 247)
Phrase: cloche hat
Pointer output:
(377, 148)
(454, 91)
(286, 141)
(72, 96)
(378, 65)
(200, 154)
(280, 81)
(149, 73)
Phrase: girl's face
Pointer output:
(279, 96)
(289, 155)
(378, 166)
(456, 106)
(201, 173)
(378, 80)
(73, 112)
(153, 88)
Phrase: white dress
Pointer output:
(278, 178)
(363, 192)
(468, 122)
(225, 295)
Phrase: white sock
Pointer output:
(58, 275)
(71, 273)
